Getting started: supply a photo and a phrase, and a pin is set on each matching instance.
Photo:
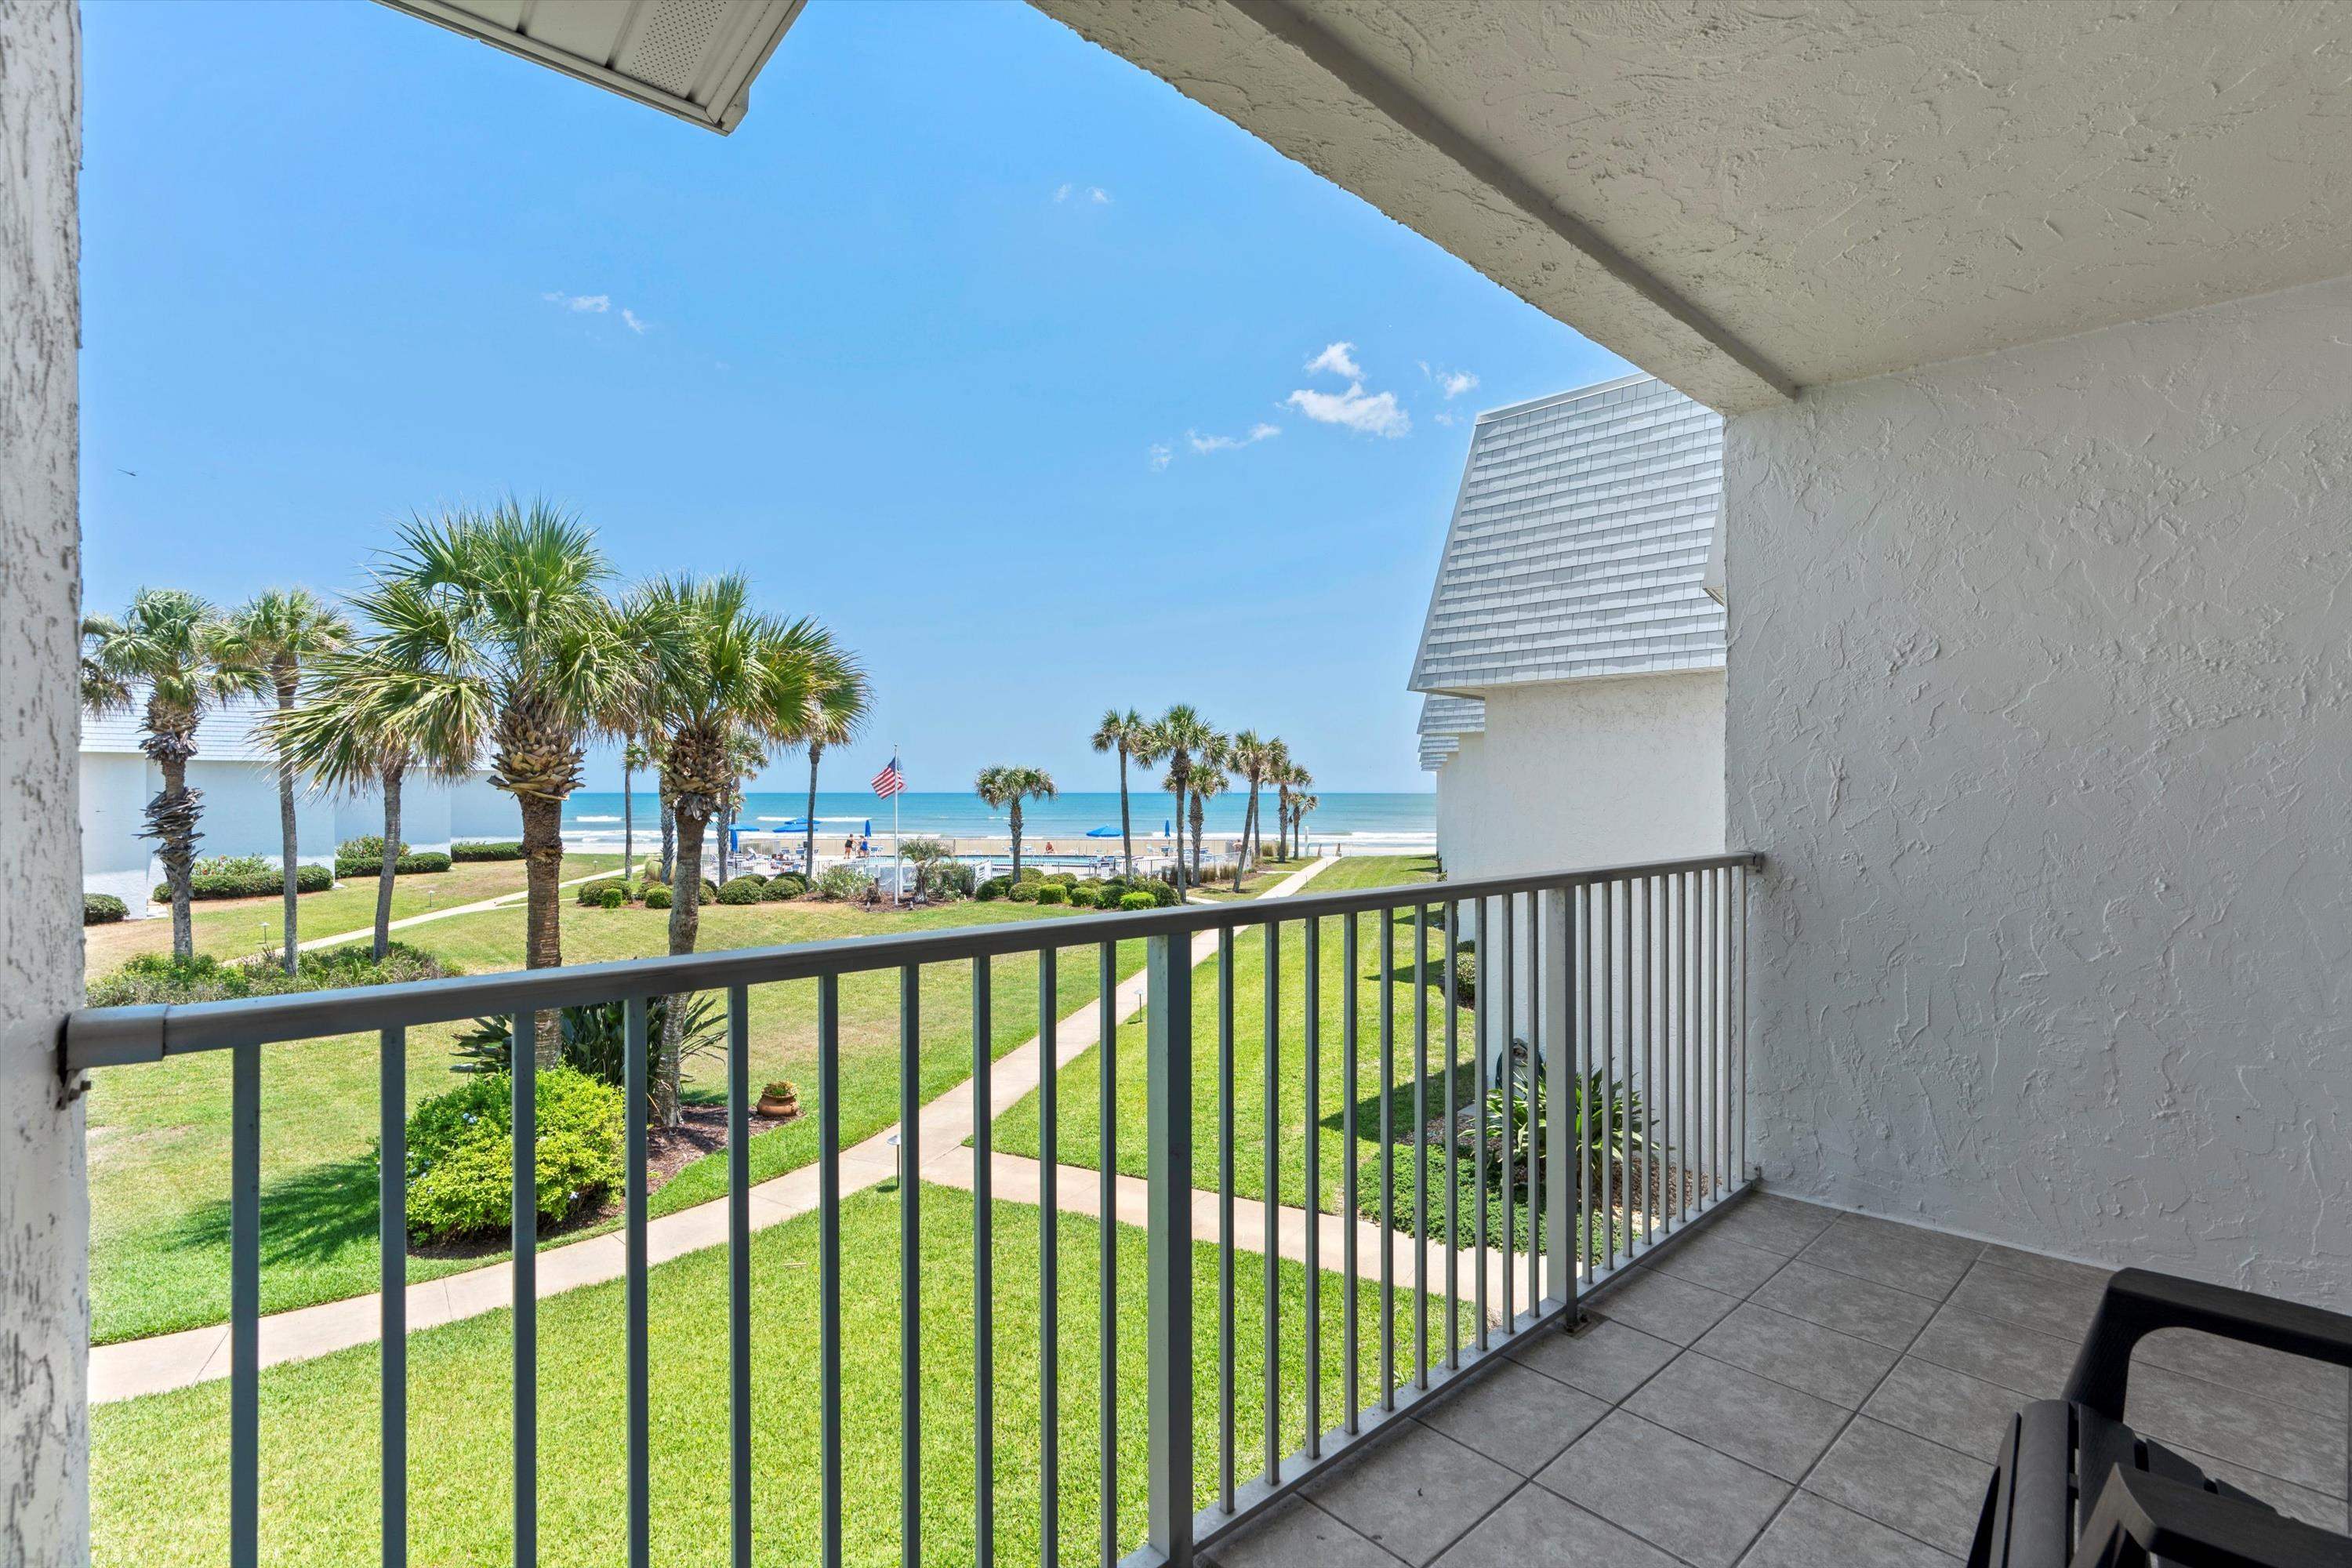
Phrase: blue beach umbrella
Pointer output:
(1102, 832)
(1167, 828)
(869, 827)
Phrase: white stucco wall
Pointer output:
(43, 1192)
(480, 809)
(1586, 772)
(2041, 704)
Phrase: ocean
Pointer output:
(1406, 820)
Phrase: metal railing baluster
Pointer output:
(1227, 1260)
(523, 1080)
(1311, 938)
(1107, 1135)
(1388, 1157)
(1604, 1064)
(1451, 932)
(1270, 1329)
(245, 1306)
(983, 1269)
(911, 1265)
(1169, 1246)
(634, 1026)
(1480, 1049)
(828, 1189)
(1421, 1143)
(1049, 1263)
(1350, 1076)
(1536, 1114)
(1563, 1208)
(738, 1270)
(1740, 999)
(1506, 964)
(1580, 1013)
(391, 1288)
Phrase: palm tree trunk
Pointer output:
(287, 847)
(385, 873)
(1178, 770)
(1014, 822)
(172, 823)
(542, 861)
(1199, 816)
(808, 850)
(725, 839)
(669, 840)
(1125, 822)
(628, 824)
(1249, 832)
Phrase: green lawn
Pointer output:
(159, 1147)
(1017, 1128)
(238, 928)
(1263, 875)
(159, 1464)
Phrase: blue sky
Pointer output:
(960, 343)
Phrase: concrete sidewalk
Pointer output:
(165, 1361)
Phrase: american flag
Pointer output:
(890, 781)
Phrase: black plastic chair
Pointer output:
(2078, 1489)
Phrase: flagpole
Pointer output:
(898, 867)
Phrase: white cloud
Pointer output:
(1339, 359)
(1372, 413)
(1454, 383)
(635, 322)
(1161, 456)
(1444, 418)
(1062, 192)
(1258, 432)
(1097, 194)
(593, 304)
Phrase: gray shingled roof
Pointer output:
(1444, 721)
(224, 735)
(1578, 542)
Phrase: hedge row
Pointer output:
(103, 909)
(507, 849)
(416, 863)
(250, 883)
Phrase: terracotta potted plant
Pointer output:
(780, 1099)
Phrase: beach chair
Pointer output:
(2077, 1488)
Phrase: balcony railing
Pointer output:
(1609, 1025)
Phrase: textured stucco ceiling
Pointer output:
(1745, 199)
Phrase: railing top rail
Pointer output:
(112, 1036)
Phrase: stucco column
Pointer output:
(44, 1189)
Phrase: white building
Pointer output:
(239, 780)
(1572, 655)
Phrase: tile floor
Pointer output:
(1792, 1388)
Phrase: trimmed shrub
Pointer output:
(1465, 979)
(776, 891)
(1031, 874)
(592, 894)
(491, 849)
(1065, 879)
(657, 897)
(709, 889)
(993, 889)
(103, 909)
(425, 862)
(613, 897)
(366, 847)
(461, 1166)
(741, 891)
(1086, 896)
(159, 977)
(1024, 892)
(1163, 894)
(758, 877)
(1052, 893)
(794, 881)
(1137, 900)
(246, 877)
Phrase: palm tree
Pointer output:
(358, 727)
(1293, 779)
(1253, 757)
(836, 711)
(168, 644)
(1179, 735)
(1300, 805)
(276, 632)
(1208, 781)
(747, 753)
(728, 682)
(501, 617)
(1008, 787)
(634, 757)
(1123, 732)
